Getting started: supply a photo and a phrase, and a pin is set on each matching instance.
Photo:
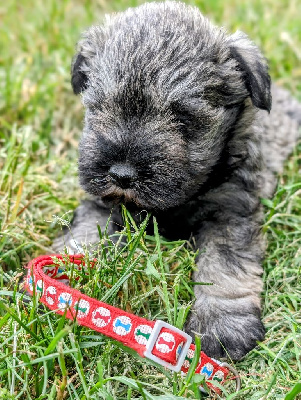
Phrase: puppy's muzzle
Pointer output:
(123, 175)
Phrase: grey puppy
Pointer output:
(177, 123)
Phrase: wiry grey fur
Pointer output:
(184, 107)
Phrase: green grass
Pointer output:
(41, 355)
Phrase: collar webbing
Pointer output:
(156, 340)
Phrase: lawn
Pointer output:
(43, 356)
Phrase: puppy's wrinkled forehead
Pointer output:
(161, 53)
(160, 58)
(173, 49)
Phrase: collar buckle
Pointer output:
(235, 373)
(153, 339)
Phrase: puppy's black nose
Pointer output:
(123, 175)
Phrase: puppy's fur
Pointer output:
(181, 109)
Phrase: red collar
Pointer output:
(155, 340)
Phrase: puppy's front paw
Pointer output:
(228, 328)
(67, 242)
(83, 232)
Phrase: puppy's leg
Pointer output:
(226, 313)
(83, 230)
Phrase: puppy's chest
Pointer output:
(185, 221)
(177, 223)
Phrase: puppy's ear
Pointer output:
(79, 78)
(255, 69)
(90, 44)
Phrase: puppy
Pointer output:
(177, 123)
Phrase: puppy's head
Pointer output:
(163, 91)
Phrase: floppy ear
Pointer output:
(255, 69)
(87, 48)
(79, 78)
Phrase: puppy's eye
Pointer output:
(181, 115)
(184, 121)
(192, 118)
(188, 124)
(94, 110)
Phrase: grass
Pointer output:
(43, 356)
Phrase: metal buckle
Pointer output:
(153, 339)
(236, 374)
